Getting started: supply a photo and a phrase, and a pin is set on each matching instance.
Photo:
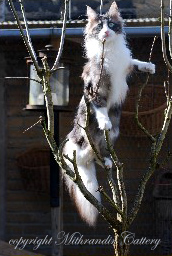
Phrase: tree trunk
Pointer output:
(120, 248)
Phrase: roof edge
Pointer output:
(80, 23)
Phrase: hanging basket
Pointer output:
(35, 169)
(151, 111)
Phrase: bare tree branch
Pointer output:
(120, 178)
(48, 95)
(101, 160)
(167, 91)
(142, 186)
(50, 140)
(164, 50)
(141, 88)
(86, 128)
(107, 197)
(152, 47)
(25, 77)
(101, 68)
(38, 122)
(56, 63)
(121, 221)
(102, 210)
(156, 142)
(170, 29)
(27, 29)
(24, 37)
(165, 127)
(101, 7)
(155, 150)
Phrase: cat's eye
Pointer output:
(100, 26)
(111, 24)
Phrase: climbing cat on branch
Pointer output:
(105, 87)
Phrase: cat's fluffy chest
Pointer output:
(117, 65)
(117, 60)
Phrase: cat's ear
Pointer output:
(114, 12)
(92, 15)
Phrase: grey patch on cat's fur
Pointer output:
(97, 92)
(91, 73)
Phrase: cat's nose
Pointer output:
(106, 33)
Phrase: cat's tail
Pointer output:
(87, 211)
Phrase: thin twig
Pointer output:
(166, 88)
(165, 127)
(57, 152)
(24, 37)
(150, 136)
(164, 50)
(48, 95)
(170, 30)
(24, 77)
(151, 51)
(101, 68)
(141, 88)
(56, 63)
(120, 178)
(27, 29)
(113, 187)
(38, 122)
(86, 128)
(50, 140)
(100, 158)
(101, 7)
(123, 195)
(106, 214)
(156, 143)
(138, 199)
(107, 197)
(165, 161)
(58, 68)
(62, 163)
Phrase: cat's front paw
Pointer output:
(104, 124)
(150, 67)
(108, 162)
(147, 67)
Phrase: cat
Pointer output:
(105, 104)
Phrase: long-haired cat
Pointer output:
(106, 103)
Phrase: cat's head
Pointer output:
(106, 26)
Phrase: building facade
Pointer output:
(25, 211)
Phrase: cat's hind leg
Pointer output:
(87, 172)
(108, 162)
(103, 120)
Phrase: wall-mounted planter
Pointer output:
(151, 111)
(34, 167)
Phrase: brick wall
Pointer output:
(28, 213)
(134, 153)
(2, 146)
